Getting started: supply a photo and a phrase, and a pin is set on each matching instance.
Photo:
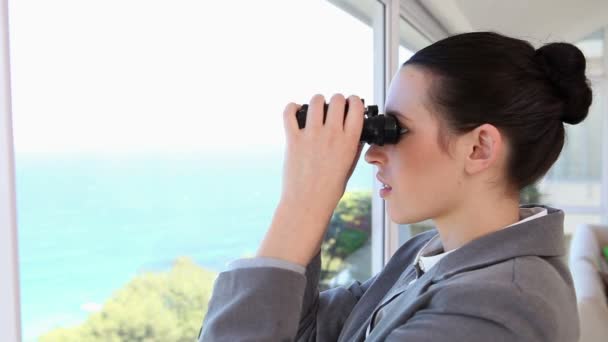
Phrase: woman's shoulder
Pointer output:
(529, 292)
(541, 276)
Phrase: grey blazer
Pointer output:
(511, 285)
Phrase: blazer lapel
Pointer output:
(403, 293)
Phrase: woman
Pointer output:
(485, 116)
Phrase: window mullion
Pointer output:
(603, 89)
(10, 315)
(391, 65)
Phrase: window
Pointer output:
(149, 149)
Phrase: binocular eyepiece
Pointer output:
(378, 129)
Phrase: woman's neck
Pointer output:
(475, 218)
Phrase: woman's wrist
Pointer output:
(296, 233)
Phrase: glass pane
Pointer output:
(407, 231)
(149, 151)
(571, 221)
(404, 54)
(575, 179)
(404, 51)
(592, 45)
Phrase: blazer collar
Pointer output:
(543, 236)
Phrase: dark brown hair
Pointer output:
(527, 94)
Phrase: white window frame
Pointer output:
(380, 19)
(424, 26)
(10, 308)
(389, 235)
(604, 177)
(381, 61)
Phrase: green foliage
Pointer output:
(167, 306)
(349, 241)
(353, 212)
(349, 229)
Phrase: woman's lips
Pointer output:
(385, 192)
(386, 188)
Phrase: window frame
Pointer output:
(10, 309)
(381, 19)
(420, 30)
(390, 231)
(423, 27)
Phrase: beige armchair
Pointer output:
(585, 254)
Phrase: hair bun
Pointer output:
(564, 64)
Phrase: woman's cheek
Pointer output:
(424, 168)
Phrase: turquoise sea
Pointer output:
(89, 224)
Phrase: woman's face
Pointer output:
(426, 181)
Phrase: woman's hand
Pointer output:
(319, 160)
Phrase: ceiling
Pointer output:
(538, 21)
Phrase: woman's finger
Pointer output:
(335, 113)
(314, 115)
(353, 124)
(290, 121)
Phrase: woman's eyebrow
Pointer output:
(396, 113)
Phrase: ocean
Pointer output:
(89, 224)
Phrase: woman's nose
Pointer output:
(374, 155)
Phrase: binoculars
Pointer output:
(378, 129)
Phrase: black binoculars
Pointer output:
(378, 129)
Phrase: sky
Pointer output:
(176, 76)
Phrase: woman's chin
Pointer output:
(400, 216)
(397, 216)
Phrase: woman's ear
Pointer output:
(484, 148)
